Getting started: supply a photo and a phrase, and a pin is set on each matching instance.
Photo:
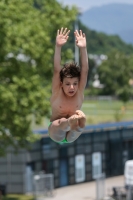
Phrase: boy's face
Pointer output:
(70, 86)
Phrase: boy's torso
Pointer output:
(63, 106)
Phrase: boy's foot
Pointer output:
(81, 118)
(73, 122)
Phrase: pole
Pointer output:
(76, 48)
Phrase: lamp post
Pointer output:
(76, 26)
(76, 48)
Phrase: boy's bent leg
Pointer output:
(81, 118)
(58, 128)
(72, 135)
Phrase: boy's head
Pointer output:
(70, 76)
(70, 70)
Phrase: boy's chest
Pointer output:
(67, 106)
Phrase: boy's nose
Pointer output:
(72, 86)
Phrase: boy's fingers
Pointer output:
(80, 33)
(67, 37)
(77, 113)
(77, 33)
(61, 31)
(84, 35)
(67, 33)
(58, 32)
(65, 30)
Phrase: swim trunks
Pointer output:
(61, 142)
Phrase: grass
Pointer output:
(101, 111)
(18, 197)
(107, 111)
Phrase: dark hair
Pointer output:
(70, 70)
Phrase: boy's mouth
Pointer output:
(71, 92)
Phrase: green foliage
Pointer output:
(27, 37)
(18, 197)
(91, 73)
(103, 111)
(101, 43)
(115, 73)
(118, 115)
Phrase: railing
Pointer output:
(43, 186)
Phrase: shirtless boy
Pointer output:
(68, 84)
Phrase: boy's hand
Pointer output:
(62, 37)
(80, 39)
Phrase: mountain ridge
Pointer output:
(112, 19)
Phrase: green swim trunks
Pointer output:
(62, 142)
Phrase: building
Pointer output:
(70, 163)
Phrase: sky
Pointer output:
(87, 4)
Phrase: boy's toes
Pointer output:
(73, 121)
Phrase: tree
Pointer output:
(27, 35)
(101, 43)
(115, 73)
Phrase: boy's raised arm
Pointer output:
(61, 39)
(81, 43)
(57, 59)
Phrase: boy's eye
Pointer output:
(75, 83)
(67, 84)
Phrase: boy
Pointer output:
(68, 121)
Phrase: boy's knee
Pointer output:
(62, 120)
(79, 129)
(56, 123)
(56, 134)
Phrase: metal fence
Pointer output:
(43, 186)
